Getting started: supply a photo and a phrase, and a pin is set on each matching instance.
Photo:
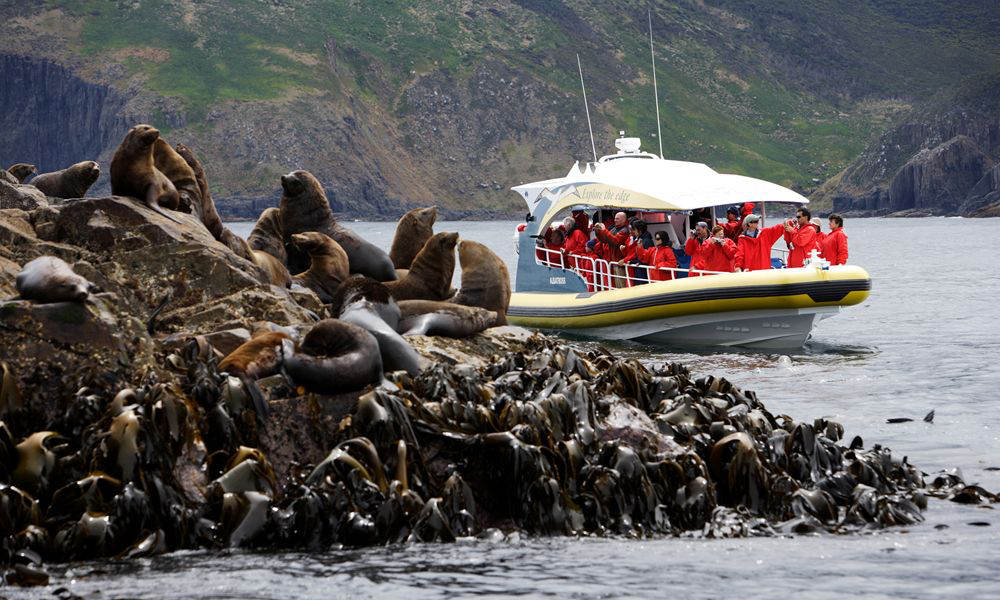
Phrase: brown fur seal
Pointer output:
(427, 317)
(71, 182)
(179, 172)
(328, 264)
(485, 280)
(304, 207)
(205, 209)
(333, 357)
(49, 279)
(429, 277)
(267, 235)
(412, 232)
(133, 173)
(22, 171)
(274, 270)
(5, 176)
(257, 357)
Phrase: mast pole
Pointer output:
(579, 67)
(656, 94)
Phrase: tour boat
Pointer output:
(768, 309)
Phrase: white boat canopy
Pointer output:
(639, 180)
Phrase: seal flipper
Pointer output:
(418, 325)
(151, 197)
(259, 401)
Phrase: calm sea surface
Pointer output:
(927, 338)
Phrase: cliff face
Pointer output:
(930, 163)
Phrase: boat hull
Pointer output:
(771, 309)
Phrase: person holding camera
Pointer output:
(718, 252)
(801, 236)
(692, 247)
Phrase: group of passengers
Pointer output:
(634, 255)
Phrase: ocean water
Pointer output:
(927, 338)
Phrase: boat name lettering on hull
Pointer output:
(557, 280)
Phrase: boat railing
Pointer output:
(601, 274)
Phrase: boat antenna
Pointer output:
(656, 94)
(593, 148)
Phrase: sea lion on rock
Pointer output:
(179, 172)
(256, 358)
(304, 207)
(134, 174)
(22, 171)
(274, 270)
(267, 235)
(328, 264)
(48, 279)
(367, 303)
(333, 357)
(205, 209)
(485, 280)
(429, 277)
(412, 232)
(427, 317)
(71, 182)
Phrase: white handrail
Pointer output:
(602, 277)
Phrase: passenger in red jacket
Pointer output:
(660, 255)
(718, 252)
(834, 244)
(692, 247)
(611, 245)
(801, 236)
(753, 250)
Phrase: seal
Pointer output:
(5, 176)
(257, 357)
(333, 357)
(367, 303)
(267, 235)
(71, 182)
(48, 279)
(428, 317)
(429, 277)
(205, 209)
(275, 271)
(412, 232)
(304, 207)
(328, 264)
(485, 280)
(22, 171)
(179, 172)
(133, 173)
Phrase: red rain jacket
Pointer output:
(803, 241)
(834, 247)
(692, 247)
(658, 256)
(718, 257)
(609, 248)
(754, 254)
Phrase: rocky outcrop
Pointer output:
(984, 198)
(927, 164)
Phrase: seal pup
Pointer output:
(22, 171)
(412, 232)
(267, 235)
(333, 357)
(428, 317)
(429, 277)
(485, 280)
(71, 182)
(48, 279)
(133, 173)
(367, 303)
(328, 264)
(304, 207)
(179, 172)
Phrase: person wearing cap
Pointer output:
(801, 236)
(815, 222)
(693, 247)
(718, 252)
(753, 249)
(834, 244)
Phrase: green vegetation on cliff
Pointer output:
(790, 90)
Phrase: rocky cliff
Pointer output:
(938, 160)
